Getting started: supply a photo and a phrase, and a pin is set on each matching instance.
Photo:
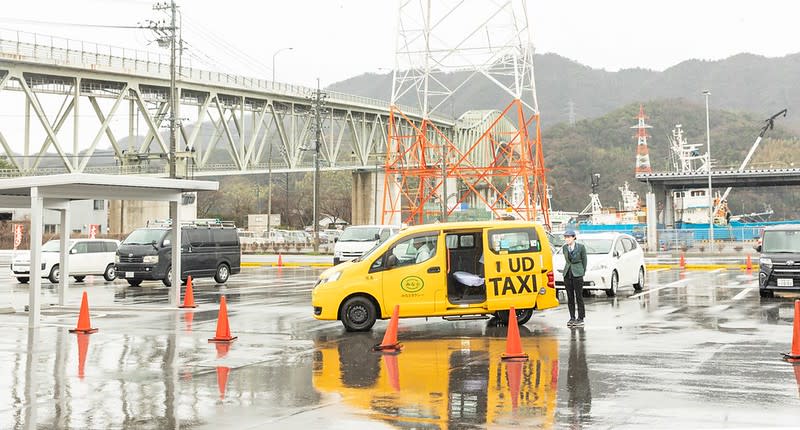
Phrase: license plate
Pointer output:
(127, 274)
(782, 282)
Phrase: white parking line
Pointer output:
(743, 293)
(679, 283)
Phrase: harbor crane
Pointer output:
(770, 124)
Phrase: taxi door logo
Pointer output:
(412, 284)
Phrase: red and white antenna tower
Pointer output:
(442, 46)
(642, 154)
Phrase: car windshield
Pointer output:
(144, 236)
(53, 246)
(597, 246)
(781, 241)
(359, 234)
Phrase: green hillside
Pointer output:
(607, 145)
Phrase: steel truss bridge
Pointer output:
(229, 124)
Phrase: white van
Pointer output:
(86, 257)
(358, 239)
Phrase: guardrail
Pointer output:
(53, 50)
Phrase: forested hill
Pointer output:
(607, 145)
(744, 82)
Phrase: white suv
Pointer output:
(614, 259)
(86, 257)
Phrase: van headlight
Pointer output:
(333, 277)
(116, 258)
(766, 262)
(150, 259)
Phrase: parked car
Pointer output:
(614, 259)
(207, 250)
(779, 248)
(86, 257)
(358, 239)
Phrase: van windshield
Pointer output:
(781, 241)
(144, 236)
(362, 234)
(54, 246)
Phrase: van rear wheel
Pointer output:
(53, 277)
(358, 314)
(223, 273)
(523, 316)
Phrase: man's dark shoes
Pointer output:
(578, 323)
(571, 322)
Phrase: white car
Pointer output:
(86, 257)
(614, 259)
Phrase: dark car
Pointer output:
(779, 263)
(207, 250)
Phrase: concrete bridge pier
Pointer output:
(367, 197)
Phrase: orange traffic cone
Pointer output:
(188, 297)
(390, 343)
(391, 371)
(513, 342)
(514, 375)
(83, 348)
(223, 330)
(222, 380)
(280, 260)
(794, 355)
(748, 265)
(682, 262)
(83, 318)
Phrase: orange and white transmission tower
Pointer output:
(642, 154)
(433, 171)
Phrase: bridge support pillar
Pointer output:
(652, 222)
(367, 197)
(126, 215)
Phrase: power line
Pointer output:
(67, 24)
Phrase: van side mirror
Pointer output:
(73, 251)
(757, 248)
(166, 242)
(391, 261)
(335, 239)
(616, 254)
(377, 236)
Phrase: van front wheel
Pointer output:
(523, 316)
(167, 281)
(223, 273)
(358, 314)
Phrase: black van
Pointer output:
(207, 249)
(779, 264)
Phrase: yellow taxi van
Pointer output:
(460, 270)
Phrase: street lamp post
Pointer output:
(273, 60)
(707, 93)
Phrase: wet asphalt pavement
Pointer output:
(693, 350)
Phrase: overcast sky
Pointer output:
(336, 39)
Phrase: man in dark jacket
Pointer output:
(574, 269)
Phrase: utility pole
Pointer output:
(167, 36)
(269, 189)
(317, 103)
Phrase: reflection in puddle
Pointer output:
(443, 383)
